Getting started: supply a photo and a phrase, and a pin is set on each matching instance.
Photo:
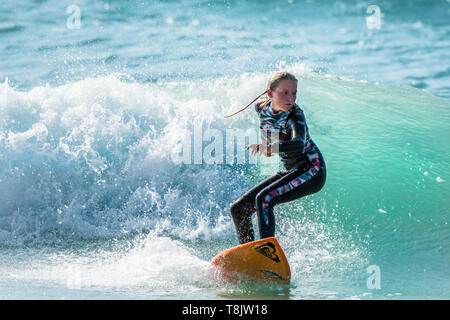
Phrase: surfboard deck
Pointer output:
(258, 260)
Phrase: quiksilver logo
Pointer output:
(268, 249)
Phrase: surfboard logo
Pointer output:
(272, 274)
(268, 250)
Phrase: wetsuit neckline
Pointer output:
(275, 112)
(278, 113)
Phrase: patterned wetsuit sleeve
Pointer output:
(297, 126)
(257, 106)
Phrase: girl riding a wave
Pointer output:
(283, 131)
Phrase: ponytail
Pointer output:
(233, 114)
(273, 83)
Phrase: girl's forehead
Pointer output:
(287, 84)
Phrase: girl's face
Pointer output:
(284, 96)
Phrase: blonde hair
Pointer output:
(273, 83)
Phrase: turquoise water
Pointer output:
(93, 204)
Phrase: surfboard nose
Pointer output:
(263, 259)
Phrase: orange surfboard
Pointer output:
(260, 260)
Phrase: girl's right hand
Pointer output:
(260, 148)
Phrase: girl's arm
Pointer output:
(297, 125)
(261, 148)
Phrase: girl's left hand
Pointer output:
(260, 148)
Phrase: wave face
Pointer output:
(90, 168)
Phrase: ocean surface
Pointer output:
(97, 99)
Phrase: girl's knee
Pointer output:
(322, 179)
(238, 208)
(263, 198)
(234, 208)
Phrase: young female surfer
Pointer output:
(283, 131)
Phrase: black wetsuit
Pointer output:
(304, 171)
